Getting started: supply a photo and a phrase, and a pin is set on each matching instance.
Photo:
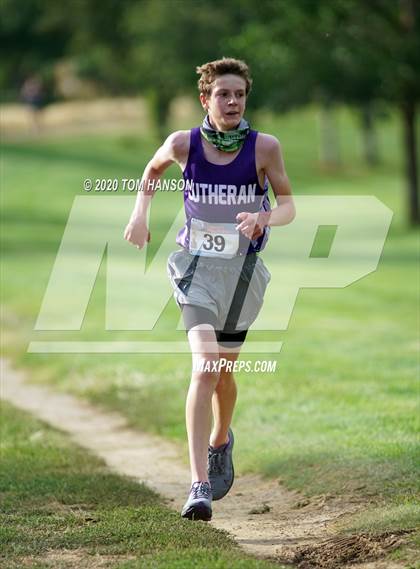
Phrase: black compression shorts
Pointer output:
(195, 315)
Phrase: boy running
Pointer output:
(218, 278)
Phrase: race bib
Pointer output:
(213, 239)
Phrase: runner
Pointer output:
(219, 279)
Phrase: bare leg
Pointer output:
(223, 401)
(204, 348)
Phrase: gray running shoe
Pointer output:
(198, 505)
(220, 468)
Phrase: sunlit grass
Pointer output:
(338, 415)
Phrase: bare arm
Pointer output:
(275, 170)
(252, 224)
(174, 149)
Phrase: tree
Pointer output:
(34, 35)
(349, 51)
(387, 45)
(168, 39)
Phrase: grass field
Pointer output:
(340, 413)
(61, 507)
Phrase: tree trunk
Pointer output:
(370, 140)
(411, 160)
(329, 143)
(159, 105)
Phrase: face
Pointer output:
(226, 104)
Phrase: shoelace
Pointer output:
(201, 490)
(216, 462)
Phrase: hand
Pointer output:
(137, 233)
(252, 224)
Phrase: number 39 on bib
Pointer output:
(213, 239)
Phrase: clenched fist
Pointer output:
(137, 233)
(252, 224)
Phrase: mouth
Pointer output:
(232, 114)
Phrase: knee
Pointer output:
(206, 370)
(207, 378)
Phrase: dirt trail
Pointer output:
(266, 519)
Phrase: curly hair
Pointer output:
(210, 71)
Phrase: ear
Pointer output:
(204, 101)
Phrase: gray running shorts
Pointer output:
(232, 289)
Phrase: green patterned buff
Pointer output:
(228, 141)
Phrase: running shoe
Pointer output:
(198, 505)
(220, 468)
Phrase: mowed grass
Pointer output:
(61, 507)
(340, 413)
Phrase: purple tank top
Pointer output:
(217, 193)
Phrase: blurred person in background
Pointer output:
(33, 95)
